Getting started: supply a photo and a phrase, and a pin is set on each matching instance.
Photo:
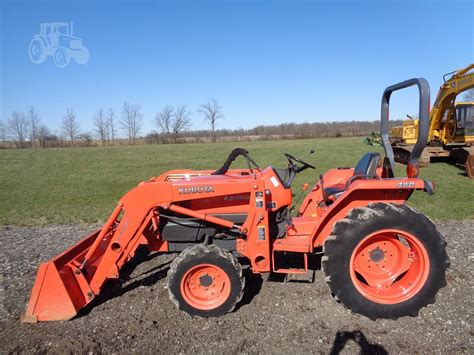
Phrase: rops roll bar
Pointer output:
(423, 123)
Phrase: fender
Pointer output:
(360, 194)
(45, 40)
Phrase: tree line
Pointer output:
(24, 129)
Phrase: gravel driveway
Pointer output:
(134, 313)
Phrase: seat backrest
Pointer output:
(367, 165)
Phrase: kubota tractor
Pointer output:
(382, 258)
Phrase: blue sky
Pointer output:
(267, 62)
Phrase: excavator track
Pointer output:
(465, 157)
(401, 155)
(461, 156)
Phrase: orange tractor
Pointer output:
(382, 258)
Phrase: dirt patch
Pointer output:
(134, 314)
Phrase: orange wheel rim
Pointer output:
(389, 266)
(205, 286)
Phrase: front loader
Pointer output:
(382, 258)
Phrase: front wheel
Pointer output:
(82, 56)
(205, 281)
(62, 57)
(385, 261)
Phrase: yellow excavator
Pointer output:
(451, 132)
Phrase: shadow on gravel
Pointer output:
(115, 288)
(359, 338)
(253, 285)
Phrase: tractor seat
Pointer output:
(365, 168)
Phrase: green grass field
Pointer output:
(83, 184)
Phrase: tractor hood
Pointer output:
(70, 42)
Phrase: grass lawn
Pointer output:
(84, 184)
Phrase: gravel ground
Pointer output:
(134, 313)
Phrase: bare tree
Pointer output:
(86, 138)
(164, 119)
(34, 122)
(132, 120)
(111, 125)
(43, 134)
(181, 121)
(101, 126)
(70, 126)
(212, 112)
(18, 127)
(3, 131)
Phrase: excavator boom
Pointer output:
(461, 81)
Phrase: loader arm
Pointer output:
(70, 281)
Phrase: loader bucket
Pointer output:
(71, 280)
(61, 288)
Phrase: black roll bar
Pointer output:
(423, 123)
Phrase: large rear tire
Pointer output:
(205, 281)
(37, 51)
(385, 261)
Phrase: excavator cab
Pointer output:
(465, 119)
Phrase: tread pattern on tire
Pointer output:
(359, 222)
(199, 251)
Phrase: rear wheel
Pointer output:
(385, 261)
(37, 51)
(205, 281)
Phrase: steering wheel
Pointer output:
(296, 168)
